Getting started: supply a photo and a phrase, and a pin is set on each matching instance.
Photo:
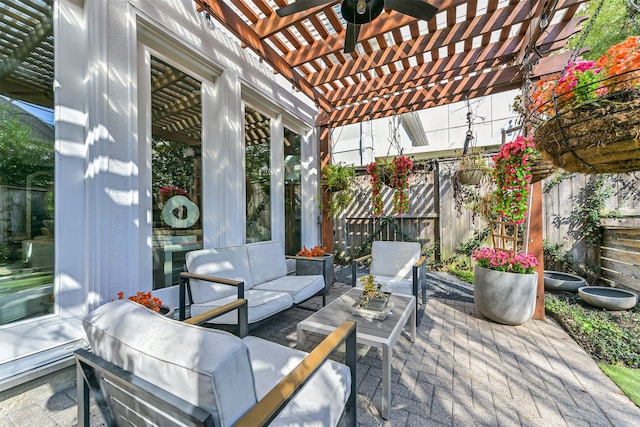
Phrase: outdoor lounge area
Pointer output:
(319, 212)
(460, 371)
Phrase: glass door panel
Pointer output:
(27, 232)
(175, 169)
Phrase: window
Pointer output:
(26, 163)
(258, 175)
(175, 169)
(292, 192)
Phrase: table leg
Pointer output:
(387, 353)
(301, 337)
(413, 325)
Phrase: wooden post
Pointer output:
(535, 244)
(325, 158)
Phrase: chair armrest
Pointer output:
(185, 276)
(354, 268)
(421, 261)
(362, 258)
(263, 412)
(212, 279)
(243, 315)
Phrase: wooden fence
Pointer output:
(436, 221)
(620, 257)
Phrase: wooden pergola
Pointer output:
(401, 64)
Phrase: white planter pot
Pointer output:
(506, 298)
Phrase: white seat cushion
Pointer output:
(205, 367)
(228, 263)
(394, 259)
(319, 403)
(267, 261)
(261, 304)
(300, 288)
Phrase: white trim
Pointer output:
(277, 179)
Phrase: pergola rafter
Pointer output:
(400, 64)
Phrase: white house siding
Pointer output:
(103, 185)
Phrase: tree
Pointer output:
(615, 14)
(21, 153)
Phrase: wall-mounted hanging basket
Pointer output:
(540, 167)
(470, 176)
(601, 137)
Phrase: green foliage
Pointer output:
(626, 378)
(170, 167)
(338, 176)
(465, 275)
(22, 154)
(610, 337)
(616, 14)
(339, 201)
(337, 180)
(589, 212)
(459, 260)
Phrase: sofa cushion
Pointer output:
(394, 259)
(319, 403)
(301, 288)
(207, 368)
(267, 261)
(261, 304)
(228, 263)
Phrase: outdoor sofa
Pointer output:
(256, 272)
(147, 369)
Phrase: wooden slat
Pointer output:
(617, 279)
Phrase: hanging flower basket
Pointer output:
(594, 139)
(470, 176)
(588, 119)
(541, 167)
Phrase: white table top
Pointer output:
(369, 331)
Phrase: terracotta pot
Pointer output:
(507, 298)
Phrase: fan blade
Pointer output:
(350, 40)
(416, 8)
(300, 6)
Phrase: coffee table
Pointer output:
(377, 333)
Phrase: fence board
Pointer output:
(620, 257)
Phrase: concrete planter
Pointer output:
(506, 298)
(557, 281)
(608, 298)
(317, 265)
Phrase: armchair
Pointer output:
(398, 266)
(189, 375)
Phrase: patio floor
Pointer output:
(461, 371)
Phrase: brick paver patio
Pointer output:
(461, 371)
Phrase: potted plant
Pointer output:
(585, 119)
(511, 175)
(337, 177)
(373, 298)
(505, 285)
(394, 175)
(336, 180)
(316, 261)
(149, 301)
(471, 169)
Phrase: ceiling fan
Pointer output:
(358, 12)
